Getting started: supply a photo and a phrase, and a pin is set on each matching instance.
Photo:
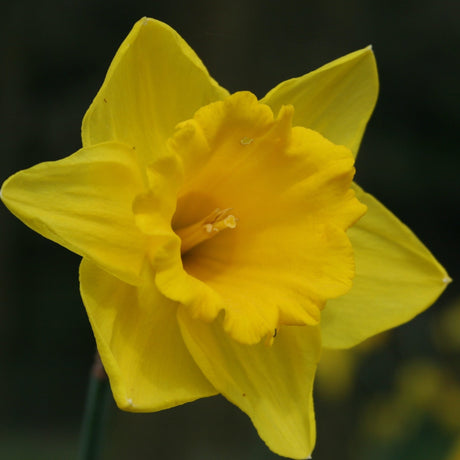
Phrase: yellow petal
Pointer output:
(154, 82)
(84, 203)
(336, 100)
(396, 278)
(289, 191)
(271, 384)
(140, 344)
(153, 210)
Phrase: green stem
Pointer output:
(96, 412)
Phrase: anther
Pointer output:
(206, 228)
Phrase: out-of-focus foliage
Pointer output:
(336, 375)
(416, 413)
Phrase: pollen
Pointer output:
(246, 141)
(210, 226)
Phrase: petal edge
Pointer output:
(143, 111)
(336, 100)
(83, 202)
(271, 384)
(396, 278)
(140, 344)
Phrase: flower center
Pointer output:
(206, 228)
(291, 189)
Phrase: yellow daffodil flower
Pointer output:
(223, 241)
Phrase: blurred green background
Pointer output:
(396, 397)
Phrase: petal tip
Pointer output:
(129, 403)
(446, 280)
(4, 186)
(124, 403)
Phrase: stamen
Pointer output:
(206, 228)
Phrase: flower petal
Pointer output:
(84, 203)
(271, 384)
(396, 278)
(336, 100)
(154, 82)
(140, 344)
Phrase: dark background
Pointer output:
(54, 55)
